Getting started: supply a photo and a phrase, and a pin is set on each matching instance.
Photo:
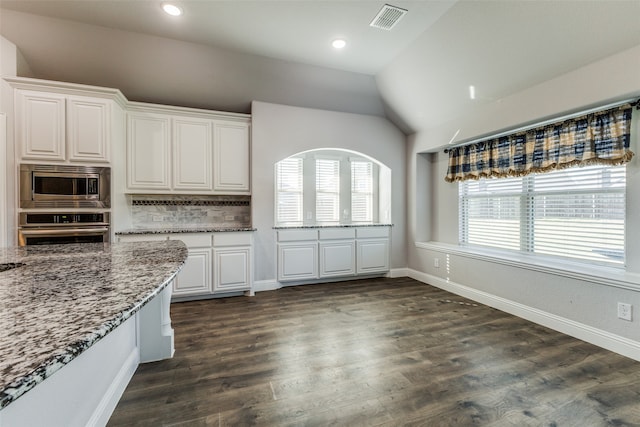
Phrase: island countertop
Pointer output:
(65, 298)
(183, 229)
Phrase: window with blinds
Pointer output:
(289, 173)
(576, 213)
(361, 191)
(327, 190)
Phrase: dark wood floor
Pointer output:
(386, 352)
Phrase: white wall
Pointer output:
(279, 131)
(9, 56)
(562, 302)
(173, 72)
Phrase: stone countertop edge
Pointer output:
(18, 386)
(178, 230)
(291, 227)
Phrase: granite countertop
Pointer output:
(182, 229)
(288, 226)
(65, 298)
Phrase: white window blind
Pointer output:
(327, 190)
(361, 191)
(289, 187)
(576, 213)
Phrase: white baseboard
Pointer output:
(112, 396)
(604, 339)
(398, 272)
(265, 285)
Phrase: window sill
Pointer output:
(600, 275)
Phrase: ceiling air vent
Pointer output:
(388, 17)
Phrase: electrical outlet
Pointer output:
(157, 218)
(228, 217)
(436, 262)
(309, 215)
(624, 311)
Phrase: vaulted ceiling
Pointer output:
(224, 54)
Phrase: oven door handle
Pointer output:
(63, 231)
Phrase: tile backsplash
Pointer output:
(157, 211)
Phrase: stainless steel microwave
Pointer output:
(61, 186)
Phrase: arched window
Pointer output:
(332, 186)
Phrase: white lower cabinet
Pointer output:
(231, 269)
(311, 254)
(373, 256)
(337, 252)
(297, 255)
(372, 250)
(216, 263)
(337, 259)
(297, 261)
(232, 261)
(195, 276)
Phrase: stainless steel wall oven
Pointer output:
(45, 228)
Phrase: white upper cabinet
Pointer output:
(88, 129)
(148, 151)
(40, 125)
(61, 128)
(232, 153)
(192, 157)
(186, 151)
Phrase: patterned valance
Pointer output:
(597, 138)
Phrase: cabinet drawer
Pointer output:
(193, 240)
(337, 233)
(142, 238)
(372, 232)
(232, 238)
(297, 235)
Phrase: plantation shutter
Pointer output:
(289, 175)
(327, 190)
(361, 191)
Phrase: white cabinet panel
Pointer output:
(88, 129)
(192, 158)
(148, 151)
(232, 269)
(337, 258)
(142, 238)
(298, 261)
(40, 125)
(372, 256)
(231, 154)
(307, 254)
(235, 238)
(297, 235)
(195, 276)
(224, 267)
(337, 233)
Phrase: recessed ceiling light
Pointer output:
(338, 43)
(472, 92)
(172, 9)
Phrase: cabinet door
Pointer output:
(192, 158)
(337, 258)
(372, 256)
(195, 276)
(298, 261)
(40, 125)
(148, 152)
(231, 156)
(232, 269)
(88, 122)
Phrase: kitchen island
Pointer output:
(75, 321)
